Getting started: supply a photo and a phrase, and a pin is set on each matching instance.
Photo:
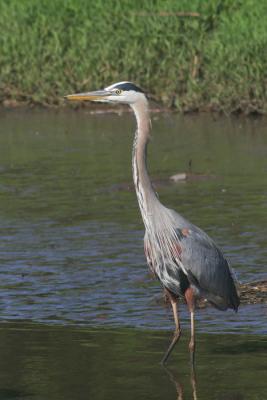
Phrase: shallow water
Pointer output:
(50, 362)
(71, 243)
(71, 257)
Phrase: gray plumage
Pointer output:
(178, 260)
(183, 257)
(191, 259)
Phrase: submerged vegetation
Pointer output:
(196, 55)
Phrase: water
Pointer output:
(71, 255)
(50, 362)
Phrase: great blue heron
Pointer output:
(184, 258)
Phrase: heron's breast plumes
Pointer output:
(163, 249)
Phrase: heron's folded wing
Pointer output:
(205, 265)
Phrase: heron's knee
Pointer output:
(177, 333)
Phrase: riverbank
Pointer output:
(202, 56)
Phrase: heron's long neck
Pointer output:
(146, 195)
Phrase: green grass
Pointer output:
(215, 61)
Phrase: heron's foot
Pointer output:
(176, 337)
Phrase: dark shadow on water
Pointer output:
(257, 346)
(6, 394)
(56, 362)
(234, 396)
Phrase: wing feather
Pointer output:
(207, 268)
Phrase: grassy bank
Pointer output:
(215, 57)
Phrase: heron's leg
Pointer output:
(190, 300)
(192, 343)
(177, 332)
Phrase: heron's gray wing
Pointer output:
(206, 267)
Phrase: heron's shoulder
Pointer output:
(192, 235)
(185, 227)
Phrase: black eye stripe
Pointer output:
(128, 86)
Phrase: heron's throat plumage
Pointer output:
(147, 198)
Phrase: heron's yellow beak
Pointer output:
(99, 95)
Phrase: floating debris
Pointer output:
(189, 176)
(179, 177)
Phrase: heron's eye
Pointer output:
(118, 91)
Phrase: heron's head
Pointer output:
(121, 92)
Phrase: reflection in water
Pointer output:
(178, 385)
(193, 383)
(64, 363)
